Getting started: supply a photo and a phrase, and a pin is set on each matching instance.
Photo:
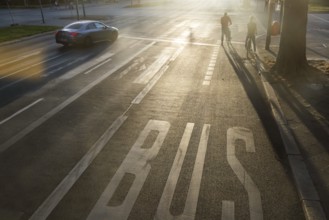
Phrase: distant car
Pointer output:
(85, 33)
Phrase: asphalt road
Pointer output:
(164, 123)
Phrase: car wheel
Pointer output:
(88, 41)
(114, 36)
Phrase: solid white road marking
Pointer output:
(62, 66)
(150, 85)
(20, 111)
(98, 65)
(66, 184)
(194, 189)
(238, 133)
(146, 76)
(176, 54)
(137, 162)
(124, 72)
(85, 66)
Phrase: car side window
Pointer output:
(73, 26)
(91, 26)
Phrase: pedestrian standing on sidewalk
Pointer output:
(225, 22)
(251, 32)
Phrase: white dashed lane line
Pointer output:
(211, 66)
(20, 111)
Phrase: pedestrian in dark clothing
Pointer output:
(226, 22)
(251, 32)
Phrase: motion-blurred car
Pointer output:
(85, 33)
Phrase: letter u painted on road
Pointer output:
(163, 211)
(136, 163)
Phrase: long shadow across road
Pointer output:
(256, 95)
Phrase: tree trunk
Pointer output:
(292, 52)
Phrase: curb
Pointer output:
(307, 192)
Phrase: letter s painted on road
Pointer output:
(238, 133)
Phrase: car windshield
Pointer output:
(99, 25)
(74, 26)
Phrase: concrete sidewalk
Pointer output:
(304, 102)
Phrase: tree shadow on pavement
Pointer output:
(307, 96)
(259, 101)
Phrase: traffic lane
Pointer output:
(231, 107)
(178, 100)
(174, 28)
(317, 44)
(34, 74)
(20, 115)
(192, 109)
(318, 21)
(28, 45)
(317, 35)
(48, 59)
(33, 166)
(143, 24)
(48, 148)
(171, 106)
(43, 59)
(37, 62)
(40, 47)
(23, 105)
(33, 77)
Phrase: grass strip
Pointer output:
(318, 8)
(20, 31)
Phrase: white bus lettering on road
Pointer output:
(136, 163)
(189, 212)
(238, 133)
